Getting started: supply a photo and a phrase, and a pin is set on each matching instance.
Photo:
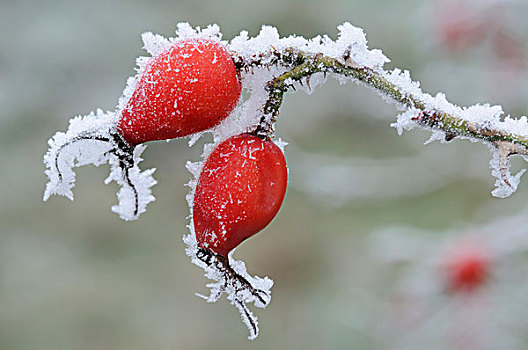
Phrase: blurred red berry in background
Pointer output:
(467, 267)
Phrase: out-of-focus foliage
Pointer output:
(74, 276)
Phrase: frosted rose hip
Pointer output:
(240, 190)
(190, 87)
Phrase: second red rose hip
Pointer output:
(240, 190)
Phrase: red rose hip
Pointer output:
(467, 268)
(240, 190)
(190, 87)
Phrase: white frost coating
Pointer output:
(405, 121)
(350, 39)
(478, 117)
(506, 183)
(247, 114)
(281, 144)
(72, 154)
(436, 135)
(154, 44)
(89, 140)
(186, 31)
(142, 181)
(481, 116)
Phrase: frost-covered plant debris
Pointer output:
(268, 66)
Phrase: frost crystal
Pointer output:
(135, 184)
(505, 183)
(478, 119)
(66, 151)
(92, 140)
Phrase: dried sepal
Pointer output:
(232, 280)
(70, 149)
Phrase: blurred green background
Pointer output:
(75, 276)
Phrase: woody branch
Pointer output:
(301, 66)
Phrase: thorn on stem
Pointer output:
(308, 82)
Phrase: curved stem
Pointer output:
(303, 65)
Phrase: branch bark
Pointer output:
(301, 66)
